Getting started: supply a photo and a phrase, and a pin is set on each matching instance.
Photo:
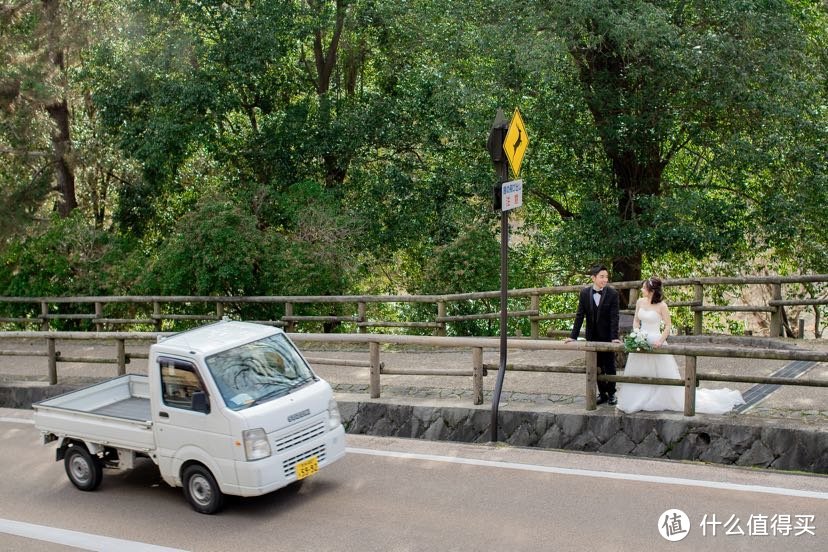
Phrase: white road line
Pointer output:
(590, 473)
(16, 420)
(84, 541)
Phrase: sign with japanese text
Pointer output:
(511, 194)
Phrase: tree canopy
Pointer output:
(338, 146)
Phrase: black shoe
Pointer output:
(602, 399)
(612, 400)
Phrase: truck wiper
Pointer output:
(302, 382)
(272, 395)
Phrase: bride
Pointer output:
(653, 317)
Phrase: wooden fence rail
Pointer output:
(478, 370)
(45, 311)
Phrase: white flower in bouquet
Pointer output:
(637, 341)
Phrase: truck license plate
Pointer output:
(307, 467)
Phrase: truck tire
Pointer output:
(84, 470)
(201, 490)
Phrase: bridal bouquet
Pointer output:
(637, 341)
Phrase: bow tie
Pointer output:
(598, 291)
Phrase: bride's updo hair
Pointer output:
(653, 285)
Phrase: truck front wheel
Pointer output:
(201, 490)
(84, 470)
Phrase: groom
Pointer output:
(599, 304)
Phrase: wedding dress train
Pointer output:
(633, 397)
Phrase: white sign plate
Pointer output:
(511, 195)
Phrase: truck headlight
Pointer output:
(256, 445)
(334, 418)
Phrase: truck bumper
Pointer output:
(263, 476)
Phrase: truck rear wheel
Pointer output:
(84, 470)
(201, 490)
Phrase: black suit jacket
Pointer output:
(601, 321)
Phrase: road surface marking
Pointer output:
(591, 473)
(16, 420)
(84, 541)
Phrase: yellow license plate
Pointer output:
(307, 467)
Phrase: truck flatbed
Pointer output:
(115, 412)
(133, 408)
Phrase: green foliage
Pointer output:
(68, 257)
(213, 251)
(663, 124)
(471, 262)
(336, 147)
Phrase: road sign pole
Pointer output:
(504, 306)
(497, 137)
(507, 141)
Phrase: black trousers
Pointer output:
(606, 365)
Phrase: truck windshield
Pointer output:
(258, 371)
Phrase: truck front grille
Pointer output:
(289, 465)
(299, 437)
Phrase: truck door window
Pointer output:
(179, 382)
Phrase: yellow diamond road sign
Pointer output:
(516, 141)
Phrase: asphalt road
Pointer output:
(399, 495)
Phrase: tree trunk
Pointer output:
(636, 160)
(633, 179)
(61, 146)
(58, 110)
(335, 164)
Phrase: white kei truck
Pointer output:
(231, 408)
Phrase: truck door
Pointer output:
(183, 433)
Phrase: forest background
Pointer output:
(331, 147)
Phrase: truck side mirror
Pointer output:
(200, 402)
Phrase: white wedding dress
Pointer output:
(633, 397)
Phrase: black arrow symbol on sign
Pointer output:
(518, 142)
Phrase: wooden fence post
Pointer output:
(633, 298)
(98, 314)
(374, 383)
(44, 311)
(121, 348)
(441, 313)
(698, 316)
(534, 324)
(50, 346)
(477, 377)
(361, 308)
(776, 316)
(219, 310)
(156, 315)
(290, 325)
(690, 386)
(591, 380)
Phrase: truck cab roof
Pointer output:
(217, 337)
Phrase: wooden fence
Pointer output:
(477, 369)
(44, 312)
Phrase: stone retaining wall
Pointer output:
(762, 443)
